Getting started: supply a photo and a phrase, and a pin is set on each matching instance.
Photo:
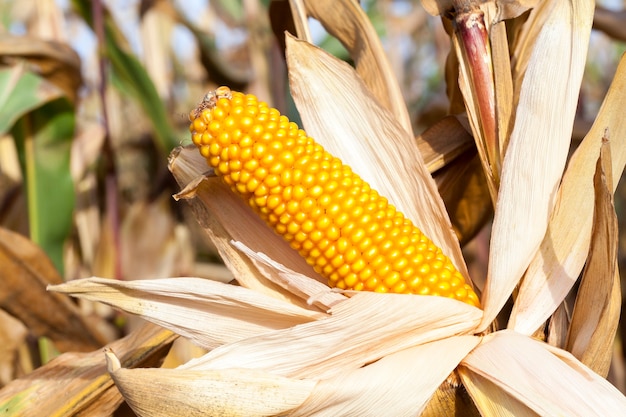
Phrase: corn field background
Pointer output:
(95, 94)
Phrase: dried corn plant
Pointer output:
(531, 335)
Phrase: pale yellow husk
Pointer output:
(157, 392)
(549, 381)
(538, 148)
(207, 312)
(555, 268)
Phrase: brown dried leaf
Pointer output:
(12, 335)
(78, 383)
(55, 61)
(25, 271)
(611, 22)
(443, 141)
(597, 309)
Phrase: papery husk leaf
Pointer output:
(538, 148)
(226, 217)
(207, 312)
(340, 113)
(558, 326)
(76, 384)
(550, 385)
(555, 268)
(396, 385)
(598, 303)
(523, 42)
(490, 399)
(360, 330)
(230, 392)
(309, 289)
(346, 20)
(503, 82)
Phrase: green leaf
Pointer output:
(44, 138)
(21, 92)
(129, 76)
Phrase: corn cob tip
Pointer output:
(348, 232)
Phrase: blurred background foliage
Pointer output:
(94, 95)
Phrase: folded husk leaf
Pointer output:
(340, 113)
(314, 292)
(343, 341)
(406, 390)
(78, 383)
(215, 207)
(490, 399)
(548, 380)
(207, 312)
(555, 268)
(538, 148)
(230, 392)
(527, 32)
(598, 303)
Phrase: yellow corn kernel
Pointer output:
(344, 229)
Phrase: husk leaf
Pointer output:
(215, 207)
(396, 385)
(341, 114)
(598, 303)
(343, 341)
(207, 312)
(314, 292)
(538, 148)
(556, 266)
(346, 20)
(548, 384)
(490, 399)
(232, 392)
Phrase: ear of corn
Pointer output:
(348, 232)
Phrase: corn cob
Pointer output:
(348, 232)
